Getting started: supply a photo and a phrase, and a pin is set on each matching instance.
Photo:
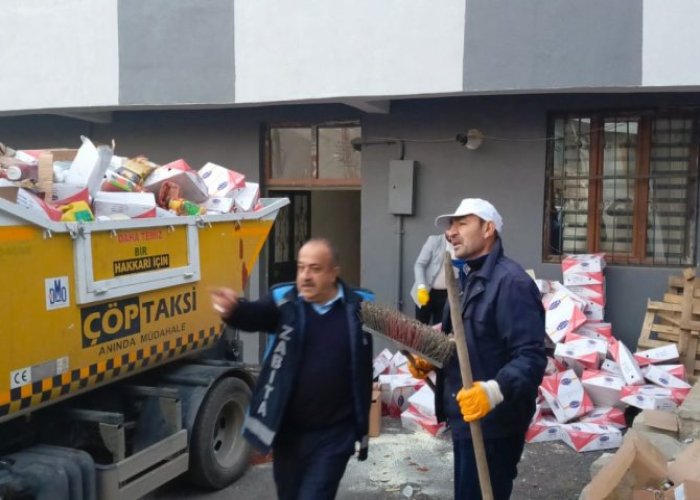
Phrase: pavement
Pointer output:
(406, 465)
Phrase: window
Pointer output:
(313, 155)
(623, 184)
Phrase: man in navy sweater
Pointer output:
(311, 402)
(503, 322)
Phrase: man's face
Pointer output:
(316, 273)
(471, 236)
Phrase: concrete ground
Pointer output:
(417, 466)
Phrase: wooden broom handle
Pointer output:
(465, 369)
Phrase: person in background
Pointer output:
(503, 322)
(311, 403)
(429, 289)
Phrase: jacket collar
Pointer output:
(493, 257)
(343, 290)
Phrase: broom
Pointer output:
(412, 337)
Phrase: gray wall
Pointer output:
(552, 45)
(176, 55)
(343, 228)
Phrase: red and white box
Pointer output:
(627, 363)
(134, 205)
(663, 378)
(609, 366)
(595, 330)
(554, 366)
(663, 354)
(565, 396)
(603, 388)
(579, 279)
(381, 363)
(412, 420)
(590, 293)
(29, 201)
(676, 370)
(594, 312)
(221, 181)
(423, 400)
(580, 354)
(650, 397)
(562, 315)
(583, 263)
(399, 363)
(542, 430)
(218, 205)
(606, 415)
(192, 187)
(247, 197)
(396, 389)
(591, 437)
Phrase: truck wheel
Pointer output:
(219, 453)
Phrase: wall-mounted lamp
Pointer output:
(473, 139)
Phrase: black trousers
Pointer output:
(431, 313)
(502, 456)
(309, 465)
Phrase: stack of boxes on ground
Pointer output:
(91, 183)
(405, 397)
(592, 377)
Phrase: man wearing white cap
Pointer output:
(504, 326)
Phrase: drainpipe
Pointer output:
(399, 262)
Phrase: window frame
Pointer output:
(314, 181)
(641, 177)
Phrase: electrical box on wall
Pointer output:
(401, 176)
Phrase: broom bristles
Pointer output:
(408, 333)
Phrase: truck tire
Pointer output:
(219, 453)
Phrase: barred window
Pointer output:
(623, 184)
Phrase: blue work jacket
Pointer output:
(504, 326)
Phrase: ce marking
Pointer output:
(20, 377)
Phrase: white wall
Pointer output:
(670, 43)
(59, 54)
(309, 49)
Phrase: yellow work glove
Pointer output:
(421, 368)
(476, 402)
(423, 295)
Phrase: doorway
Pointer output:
(334, 214)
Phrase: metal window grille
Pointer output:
(625, 185)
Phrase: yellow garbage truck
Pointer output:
(115, 372)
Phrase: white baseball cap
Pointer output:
(472, 206)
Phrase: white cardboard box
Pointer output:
(648, 397)
(603, 388)
(565, 396)
(192, 187)
(606, 415)
(134, 205)
(221, 181)
(662, 354)
(591, 437)
(562, 315)
(627, 363)
(542, 430)
(663, 378)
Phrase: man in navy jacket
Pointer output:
(504, 326)
(311, 402)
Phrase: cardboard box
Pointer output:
(134, 205)
(218, 205)
(648, 397)
(594, 312)
(412, 420)
(192, 187)
(542, 430)
(565, 396)
(583, 263)
(578, 356)
(423, 400)
(221, 181)
(663, 354)
(562, 315)
(635, 465)
(603, 388)
(591, 437)
(31, 202)
(662, 378)
(381, 362)
(247, 198)
(609, 366)
(677, 370)
(627, 363)
(375, 412)
(606, 415)
(579, 279)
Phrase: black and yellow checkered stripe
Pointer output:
(48, 389)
